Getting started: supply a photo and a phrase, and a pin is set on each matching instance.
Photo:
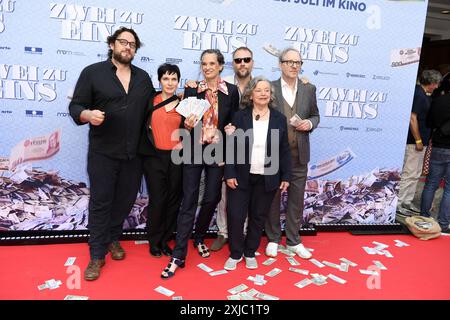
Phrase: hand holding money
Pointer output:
(303, 126)
(190, 121)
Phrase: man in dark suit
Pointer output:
(296, 100)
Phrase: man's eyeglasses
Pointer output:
(292, 63)
(126, 43)
(239, 60)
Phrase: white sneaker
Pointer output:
(272, 249)
(251, 263)
(231, 264)
(300, 250)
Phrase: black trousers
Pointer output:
(163, 179)
(191, 185)
(256, 201)
(114, 185)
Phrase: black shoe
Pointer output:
(446, 231)
(166, 250)
(155, 251)
(169, 271)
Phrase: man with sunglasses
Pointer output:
(112, 96)
(297, 101)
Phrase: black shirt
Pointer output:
(421, 106)
(99, 88)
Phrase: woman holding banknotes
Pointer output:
(223, 98)
(251, 184)
(163, 177)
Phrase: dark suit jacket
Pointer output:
(228, 105)
(243, 119)
(306, 109)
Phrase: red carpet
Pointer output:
(420, 271)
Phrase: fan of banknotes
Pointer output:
(194, 106)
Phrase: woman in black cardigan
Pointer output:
(261, 165)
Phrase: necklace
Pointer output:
(257, 117)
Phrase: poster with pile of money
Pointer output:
(361, 62)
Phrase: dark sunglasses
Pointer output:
(239, 60)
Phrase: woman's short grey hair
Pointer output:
(429, 77)
(246, 97)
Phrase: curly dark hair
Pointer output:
(112, 38)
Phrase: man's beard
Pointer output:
(241, 75)
(118, 57)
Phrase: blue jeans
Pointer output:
(439, 169)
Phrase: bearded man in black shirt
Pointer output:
(112, 96)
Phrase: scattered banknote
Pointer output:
(319, 279)
(336, 278)
(348, 262)
(234, 297)
(164, 291)
(332, 265)
(317, 263)
(370, 251)
(258, 282)
(387, 254)
(252, 292)
(265, 296)
(400, 244)
(245, 296)
(269, 261)
(53, 284)
(379, 265)
(205, 268)
(379, 245)
(70, 297)
(177, 298)
(300, 271)
(218, 273)
(344, 267)
(273, 272)
(141, 242)
(238, 289)
(369, 272)
(303, 283)
(287, 252)
(292, 261)
(42, 287)
(70, 261)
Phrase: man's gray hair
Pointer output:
(429, 77)
(286, 50)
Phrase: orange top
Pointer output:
(163, 125)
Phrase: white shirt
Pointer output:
(260, 129)
(287, 92)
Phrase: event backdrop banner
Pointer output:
(362, 56)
